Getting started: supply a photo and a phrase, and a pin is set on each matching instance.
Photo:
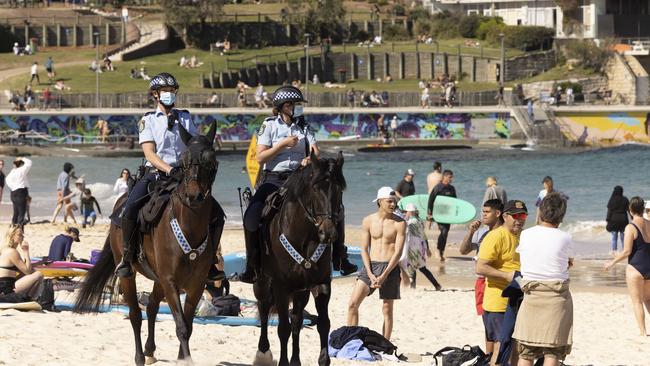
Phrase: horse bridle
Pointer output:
(314, 216)
(190, 161)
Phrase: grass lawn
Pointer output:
(561, 73)
(445, 45)
(11, 61)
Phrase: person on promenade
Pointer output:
(544, 325)
(494, 191)
(406, 187)
(19, 185)
(284, 144)
(637, 250)
(122, 183)
(617, 218)
(444, 188)
(88, 203)
(15, 257)
(434, 177)
(382, 240)
(497, 262)
(416, 249)
(63, 191)
(491, 219)
(62, 244)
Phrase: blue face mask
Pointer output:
(167, 98)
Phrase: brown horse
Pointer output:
(297, 256)
(200, 219)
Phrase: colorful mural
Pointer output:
(240, 127)
(595, 128)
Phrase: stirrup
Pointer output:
(124, 269)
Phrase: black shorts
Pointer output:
(492, 322)
(389, 290)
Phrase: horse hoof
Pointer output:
(264, 359)
(150, 360)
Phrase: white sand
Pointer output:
(605, 332)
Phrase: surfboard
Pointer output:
(62, 272)
(235, 263)
(64, 264)
(22, 306)
(446, 210)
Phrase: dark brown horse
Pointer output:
(297, 255)
(200, 220)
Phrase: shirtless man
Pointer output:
(382, 240)
(434, 177)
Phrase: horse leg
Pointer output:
(152, 311)
(174, 301)
(284, 328)
(300, 300)
(264, 298)
(192, 297)
(135, 315)
(322, 299)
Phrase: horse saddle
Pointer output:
(273, 203)
(159, 194)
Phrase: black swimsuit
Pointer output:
(7, 284)
(640, 256)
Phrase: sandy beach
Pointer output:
(425, 321)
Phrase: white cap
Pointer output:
(647, 204)
(410, 207)
(80, 180)
(15, 43)
(384, 192)
(410, 172)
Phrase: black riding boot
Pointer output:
(252, 257)
(340, 260)
(129, 228)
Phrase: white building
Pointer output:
(593, 19)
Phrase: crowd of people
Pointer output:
(445, 86)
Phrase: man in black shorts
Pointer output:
(382, 241)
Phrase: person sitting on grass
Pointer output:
(14, 257)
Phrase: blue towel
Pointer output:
(353, 350)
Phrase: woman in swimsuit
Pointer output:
(14, 257)
(637, 249)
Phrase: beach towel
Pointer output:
(545, 317)
(352, 350)
(414, 255)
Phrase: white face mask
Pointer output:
(297, 111)
(167, 98)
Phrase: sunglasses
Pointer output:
(520, 216)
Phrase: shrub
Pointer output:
(528, 38)
(395, 33)
(419, 14)
(399, 10)
(7, 39)
(587, 51)
(490, 29)
(445, 25)
(422, 26)
(468, 26)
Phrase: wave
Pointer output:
(585, 227)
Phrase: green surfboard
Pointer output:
(446, 210)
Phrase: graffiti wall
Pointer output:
(597, 128)
(240, 127)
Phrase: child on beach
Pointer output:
(544, 324)
(416, 249)
(87, 208)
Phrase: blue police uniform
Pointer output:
(154, 127)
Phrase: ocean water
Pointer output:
(587, 177)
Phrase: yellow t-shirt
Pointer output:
(499, 248)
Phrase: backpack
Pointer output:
(466, 356)
(227, 305)
(46, 299)
(376, 342)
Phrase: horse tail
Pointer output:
(92, 290)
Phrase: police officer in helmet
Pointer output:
(162, 145)
(284, 143)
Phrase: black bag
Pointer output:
(46, 299)
(454, 356)
(376, 342)
(227, 305)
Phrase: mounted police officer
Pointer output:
(284, 143)
(162, 145)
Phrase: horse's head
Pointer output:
(199, 165)
(323, 198)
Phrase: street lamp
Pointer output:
(97, 101)
(502, 75)
(307, 36)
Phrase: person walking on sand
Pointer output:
(494, 191)
(491, 219)
(497, 262)
(63, 191)
(434, 177)
(406, 187)
(637, 250)
(547, 182)
(382, 240)
(617, 218)
(444, 188)
(19, 185)
(416, 249)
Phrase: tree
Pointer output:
(320, 18)
(181, 14)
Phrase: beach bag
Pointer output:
(466, 356)
(228, 305)
(46, 299)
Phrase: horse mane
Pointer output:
(301, 178)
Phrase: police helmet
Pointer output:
(162, 80)
(287, 94)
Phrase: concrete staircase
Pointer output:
(642, 79)
(150, 34)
